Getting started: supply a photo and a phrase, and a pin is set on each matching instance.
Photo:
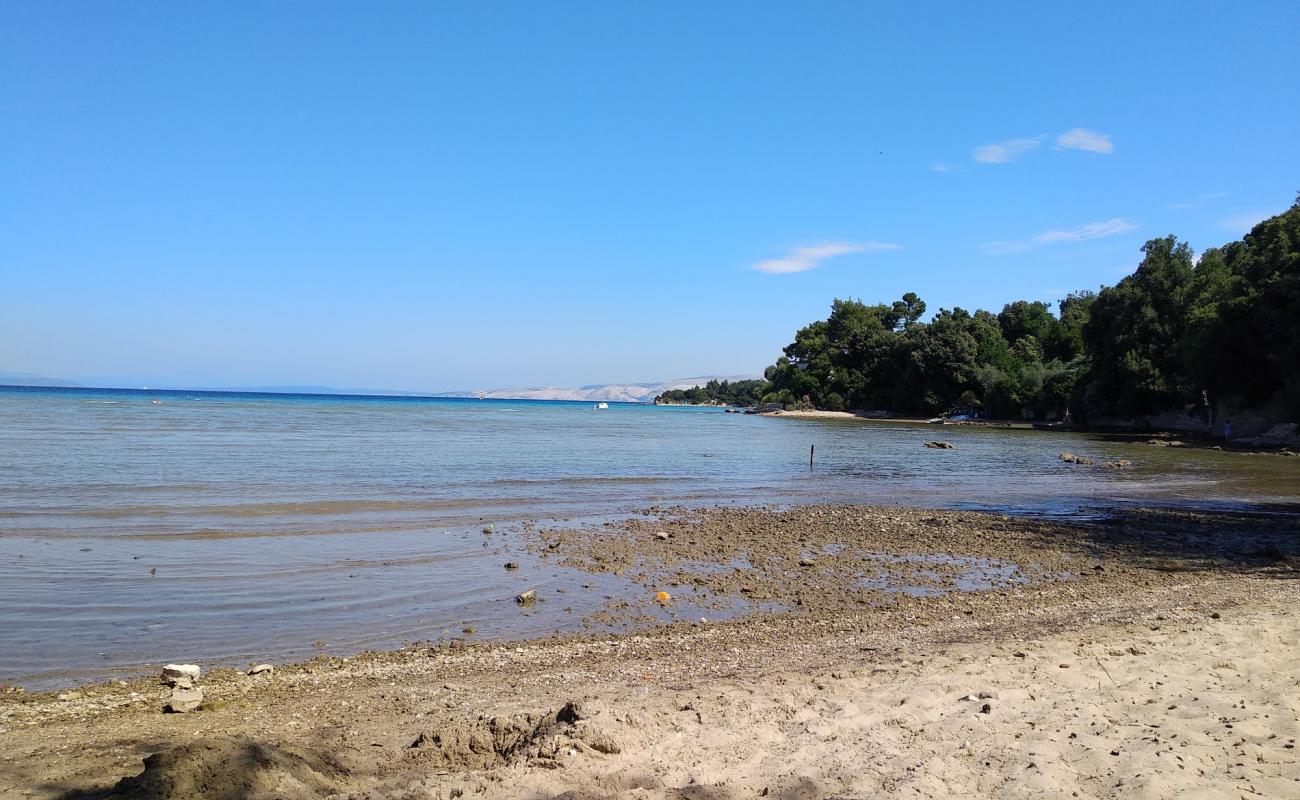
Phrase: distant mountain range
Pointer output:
(607, 392)
(28, 379)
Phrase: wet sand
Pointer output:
(1149, 654)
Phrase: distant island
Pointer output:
(29, 379)
(607, 392)
(717, 393)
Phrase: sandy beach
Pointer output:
(1151, 656)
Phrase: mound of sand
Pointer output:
(229, 769)
(488, 742)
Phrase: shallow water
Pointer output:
(226, 527)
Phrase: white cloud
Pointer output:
(1003, 152)
(1093, 230)
(1084, 139)
(1198, 202)
(941, 167)
(802, 259)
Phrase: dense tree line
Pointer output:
(716, 393)
(1178, 334)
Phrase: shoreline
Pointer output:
(973, 423)
(666, 710)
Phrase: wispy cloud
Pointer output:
(941, 167)
(802, 259)
(1093, 230)
(1084, 139)
(1198, 202)
(1012, 149)
(1003, 152)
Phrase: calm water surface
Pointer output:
(227, 527)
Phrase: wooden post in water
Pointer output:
(811, 448)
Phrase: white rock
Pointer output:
(262, 669)
(184, 700)
(182, 675)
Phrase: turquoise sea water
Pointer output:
(145, 526)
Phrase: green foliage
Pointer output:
(1175, 332)
(717, 393)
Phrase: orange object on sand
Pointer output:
(663, 597)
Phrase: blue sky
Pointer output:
(437, 196)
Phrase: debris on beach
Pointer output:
(262, 669)
(525, 598)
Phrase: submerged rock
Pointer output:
(936, 445)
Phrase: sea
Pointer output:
(139, 527)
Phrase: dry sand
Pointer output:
(1172, 672)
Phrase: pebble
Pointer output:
(524, 598)
(262, 669)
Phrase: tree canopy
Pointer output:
(1177, 333)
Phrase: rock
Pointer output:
(66, 696)
(807, 562)
(181, 676)
(662, 597)
(662, 536)
(1120, 464)
(183, 701)
(1071, 458)
(988, 696)
(940, 445)
(262, 669)
(987, 708)
(970, 698)
(525, 598)
(511, 565)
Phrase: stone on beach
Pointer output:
(524, 598)
(180, 676)
(936, 445)
(262, 669)
(184, 700)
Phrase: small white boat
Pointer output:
(601, 405)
